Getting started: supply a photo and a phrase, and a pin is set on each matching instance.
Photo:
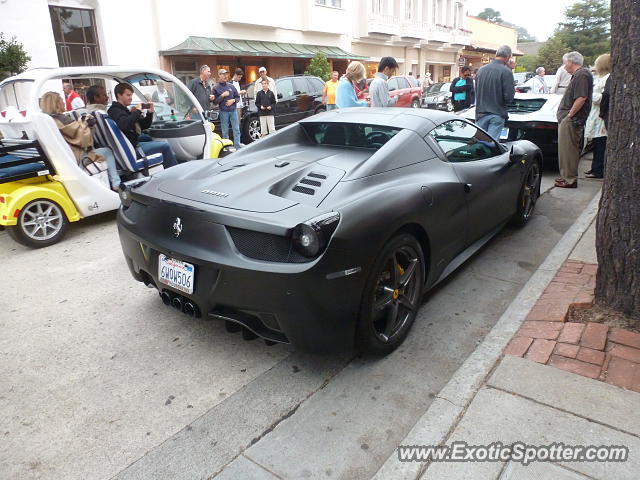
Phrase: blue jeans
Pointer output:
(168, 157)
(227, 118)
(492, 124)
(112, 169)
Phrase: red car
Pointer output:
(408, 89)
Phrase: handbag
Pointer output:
(92, 162)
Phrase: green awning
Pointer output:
(254, 48)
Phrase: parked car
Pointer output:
(526, 86)
(438, 96)
(42, 188)
(531, 117)
(522, 77)
(299, 96)
(407, 89)
(326, 234)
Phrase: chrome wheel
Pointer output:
(41, 220)
(449, 106)
(254, 129)
(415, 104)
(397, 293)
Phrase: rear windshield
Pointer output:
(349, 134)
(526, 105)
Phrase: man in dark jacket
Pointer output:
(266, 105)
(200, 88)
(462, 90)
(494, 91)
(133, 122)
(226, 96)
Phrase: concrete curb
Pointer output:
(450, 404)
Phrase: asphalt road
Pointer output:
(100, 379)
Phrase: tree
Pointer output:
(319, 67)
(586, 28)
(527, 63)
(493, 16)
(618, 223)
(13, 58)
(550, 54)
(490, 15)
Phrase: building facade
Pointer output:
(486, 38)
(423, 35)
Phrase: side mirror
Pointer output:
(515, 157)
(279, 96)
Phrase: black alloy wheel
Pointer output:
(392, 296)
(529, 194)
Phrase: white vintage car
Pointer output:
(531, 117)
(42, 188)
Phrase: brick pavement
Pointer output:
(593, 349)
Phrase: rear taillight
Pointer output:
(1, 199)
(23, 113)
(3, 113)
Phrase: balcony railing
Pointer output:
(386, 24)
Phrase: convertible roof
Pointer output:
(417, 119)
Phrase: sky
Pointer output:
(539, 17)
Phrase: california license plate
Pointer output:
(176, 274)
(504, 134)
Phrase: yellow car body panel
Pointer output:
(218, 143)
(14, 196)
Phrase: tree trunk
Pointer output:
(618, 224)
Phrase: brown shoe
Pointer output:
(562, 183)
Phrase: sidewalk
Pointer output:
(540, 380)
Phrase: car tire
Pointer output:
(449, 106)
(251, 129)
(415, 103)
(388, 308)
(41, 223)
(528, 196)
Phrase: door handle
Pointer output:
(467, 187)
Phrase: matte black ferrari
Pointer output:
(326, 234)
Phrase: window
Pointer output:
(317, 86)
(300, 86)
(74, 31)
(376, 7)
(349, 134)
(330, 3)
(408, 9)
(403, 82)
(284, 87)
(393, 83)
(463, 142)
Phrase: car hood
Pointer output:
(265, 186)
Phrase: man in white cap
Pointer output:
(258, 85)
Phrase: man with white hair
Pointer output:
(538, 85)
(262, 71)
(494, 90)
(562, 79)
(572, 116)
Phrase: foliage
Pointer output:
(586, 29)
(13, 58)
(490, 15)
(527, 63)
(550, 54)
(319, 67)
(494, 16)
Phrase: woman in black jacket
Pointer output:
(462, 90)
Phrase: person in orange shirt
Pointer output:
(329, 92)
